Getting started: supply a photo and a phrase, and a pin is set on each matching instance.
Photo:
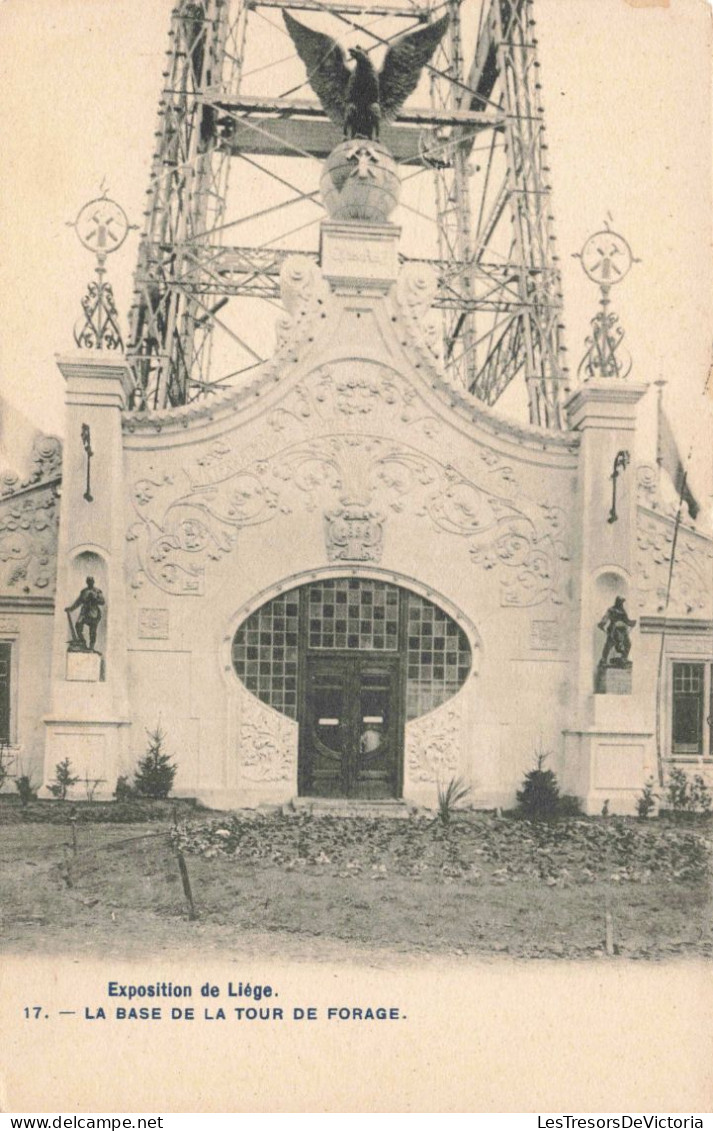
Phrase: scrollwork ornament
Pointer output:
(434, 744)
(305, 296)
(413, 296)
(267, 742)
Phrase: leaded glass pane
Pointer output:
(438, 657)
(265, 653)
(350, 612)
(359, 614)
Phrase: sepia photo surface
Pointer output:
(356, 556)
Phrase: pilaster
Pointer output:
(88, 714)
(608, 748)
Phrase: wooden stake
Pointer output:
(609, 922)
(185, 879)
(66, 869)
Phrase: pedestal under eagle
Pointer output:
(360, 181)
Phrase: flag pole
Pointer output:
(660, 385)
(672, 559)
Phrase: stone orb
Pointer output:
(360, 182)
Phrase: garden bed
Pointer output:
(305, 886)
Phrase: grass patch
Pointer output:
(476, 886)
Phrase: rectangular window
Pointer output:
(687, 709)
(5, 655)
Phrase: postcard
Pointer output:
(356, 557)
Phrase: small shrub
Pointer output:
(701, 798)
(6, 761)
(124, 790)
(91, 785)
(155, 773)
(569, 806)
(539, 798)
(26, 789)
(646, 803)
(677, 797)
(449, 797)
(64, 779)
(686, 798)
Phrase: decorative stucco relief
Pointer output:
(433, 744)
(176, 536)
(29, 520)
(647, 478)
(45, 467)
(353, 534)
(267, 740)
(28, 542)
(412, 298)
(356, 390)
(690, 588)
(305, 296)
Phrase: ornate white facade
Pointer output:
(349, 459)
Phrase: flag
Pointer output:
(670, 460)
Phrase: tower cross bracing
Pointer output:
(234, 190)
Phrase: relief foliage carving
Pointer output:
(690, 589)
(356, 390)
(434, 744)
(29, 520)
(267, 742)
(343, 477)
(305, 296)
(29, 524)
(413, 298)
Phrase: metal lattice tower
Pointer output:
(476, 194)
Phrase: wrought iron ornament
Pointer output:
(101, 226)
(606, 259)
(87, 445)
(621, 462)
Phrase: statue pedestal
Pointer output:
(359, 258)
(608, 764)
(85, 667)
(613, 680)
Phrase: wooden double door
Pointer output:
(351, 727)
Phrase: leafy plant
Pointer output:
(677, 791)
(646, 802)
(569, 806)
(64, 779)
(155, 773)
(91, 785)
(701, 798)
(449, 797)
(686, 798)
(124, 789)
(26, 789)
(6, 761)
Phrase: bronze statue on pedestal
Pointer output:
(616, 624)
(89, 602)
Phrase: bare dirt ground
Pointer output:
(329, 888)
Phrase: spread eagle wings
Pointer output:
(329, 76)
(327, 70)
(403, 64)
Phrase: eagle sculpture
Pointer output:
(358, 100)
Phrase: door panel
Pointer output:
(375, 737)
(327, 727)
(350, 728)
